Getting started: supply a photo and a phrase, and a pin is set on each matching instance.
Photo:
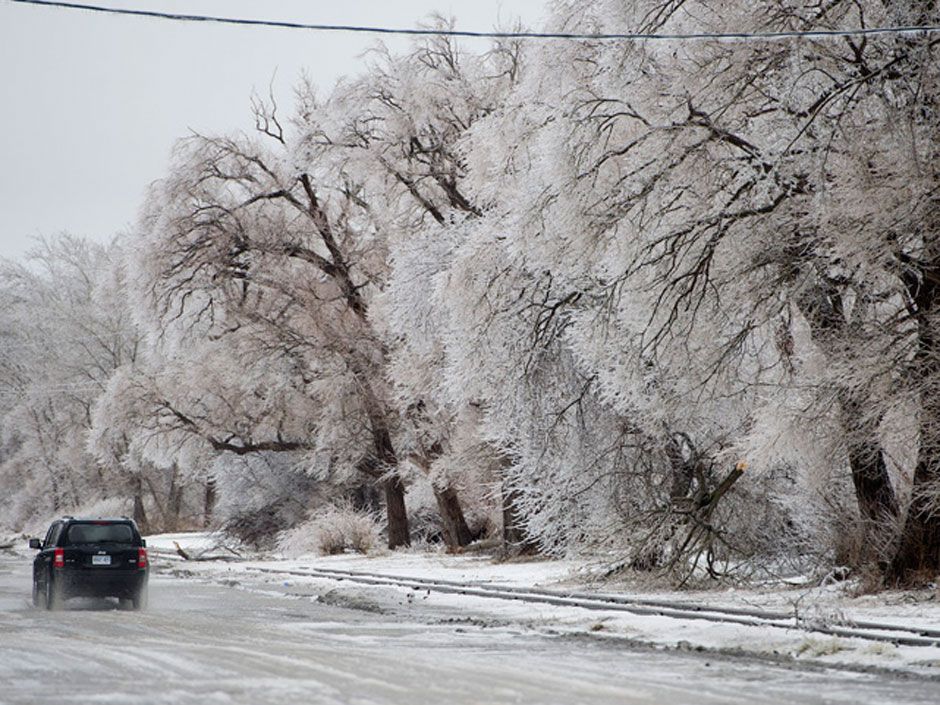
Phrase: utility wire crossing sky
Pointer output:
(98, 99)
(628, 36)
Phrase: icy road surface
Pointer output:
(206, 644)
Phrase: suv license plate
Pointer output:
(101, 560)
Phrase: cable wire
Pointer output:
(625, 36)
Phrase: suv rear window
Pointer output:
(100, 533)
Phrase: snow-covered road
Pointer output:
(210, 644)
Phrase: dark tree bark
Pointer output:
(398, 533)
(54, 491)
(918, 554)
(456, 532)
(174, 504)
(683, 469)
(208, 502)
(384, 454)
(874, 493)
(685, 466)
(873, 489)
(140, 513)
(516, 541)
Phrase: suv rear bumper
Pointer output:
(100, 583)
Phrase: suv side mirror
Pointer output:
(35, 543)
(143, 542)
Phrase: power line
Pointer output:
(626, 36)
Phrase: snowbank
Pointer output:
(813, 607)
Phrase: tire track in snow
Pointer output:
(869, 631)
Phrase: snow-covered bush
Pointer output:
(334, 529)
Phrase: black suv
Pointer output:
(90, 558)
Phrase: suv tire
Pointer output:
(53, 595)
(140, 599)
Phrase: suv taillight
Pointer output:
(58, 558)
(141, 557)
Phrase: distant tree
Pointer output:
(64, 332)
(257, 242)
(278, 246)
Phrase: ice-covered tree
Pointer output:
(729, 238)
(64, 332)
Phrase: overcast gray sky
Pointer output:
(93, 103)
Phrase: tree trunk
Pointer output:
(918, 556)
(873, 490)
(395, 512)
(682, 472)
(823, 308)
(456, 532)
(650, 554)
(174, 502)
(383, 462)
(208, 502)
(398, 534)
(140, 513)
(515, 540)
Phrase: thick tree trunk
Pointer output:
(682, 474)
(398, 534)
(383, 461)
(873, 490)
(918, 556)
(650, 554)
(456, 532)
(395, 512)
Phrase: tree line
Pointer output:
(676, 303)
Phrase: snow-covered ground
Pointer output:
(822, 606)
(221, 633)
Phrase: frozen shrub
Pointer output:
(334, 529)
